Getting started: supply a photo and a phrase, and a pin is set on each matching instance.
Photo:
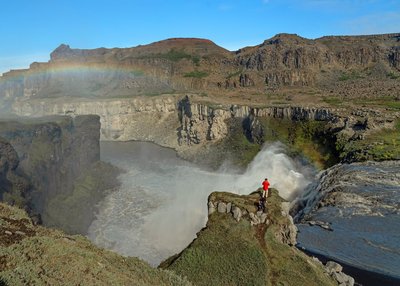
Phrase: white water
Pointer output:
(162, 202)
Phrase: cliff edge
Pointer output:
(240, 246)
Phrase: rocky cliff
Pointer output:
(60, 156)
(357, 66)
(243, 246)
(190, 125)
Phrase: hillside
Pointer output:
(286, 68)
(34, 255)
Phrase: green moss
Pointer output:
(378, 146)
(307, 138)
(237, 147)
(196, 74)
(351, 75)
(196, 60)
(382, 101)
(332, 100)
(211, 260)
(393, 75)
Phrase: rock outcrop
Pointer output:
(186, 123)
(53, 159)
(14, 186)
(243, 246)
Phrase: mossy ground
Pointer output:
(227, 252)
(40, 256)
(378, 146)
(307, 139)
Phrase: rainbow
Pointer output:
(44, 69)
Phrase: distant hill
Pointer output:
(341, 66)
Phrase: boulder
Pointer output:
(211, 208)
(237, 213)
(221, 207)
(228, 207)
(263, 217)
(254, 219)
(340, 277)
(332, 267)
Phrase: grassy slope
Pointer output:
(40, 256)
(378, 146)
(231, 253)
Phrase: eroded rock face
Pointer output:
(41, 161)
(185, 124)
(14, 187)
(198, 65)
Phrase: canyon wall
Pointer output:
(56, 156)
(171, 121)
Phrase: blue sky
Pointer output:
(31, 29)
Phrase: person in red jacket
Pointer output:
(265, 185)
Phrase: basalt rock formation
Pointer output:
(51, 166)
(186, 93)
(345, 66)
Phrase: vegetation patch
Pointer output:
(333, 100)
(196, 74)
(393, 75)
(308, 138)
(352, 75)
(379, 146)
(383, 101)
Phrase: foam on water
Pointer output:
(162, 201)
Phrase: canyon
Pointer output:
(333, 102)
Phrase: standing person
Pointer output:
(265, 185)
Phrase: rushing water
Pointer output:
(162, 201)
(365, 219)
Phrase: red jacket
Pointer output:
(265, 185)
